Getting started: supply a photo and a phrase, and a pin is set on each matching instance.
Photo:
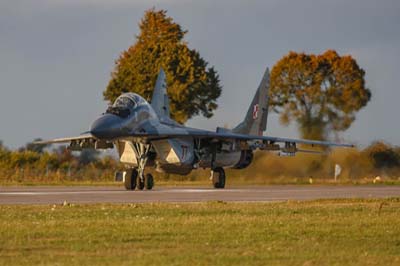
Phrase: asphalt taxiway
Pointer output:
(73, 194)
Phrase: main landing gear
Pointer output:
(218, 177)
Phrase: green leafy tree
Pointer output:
(321, 93)
(193, 87)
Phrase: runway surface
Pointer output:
(57, 195)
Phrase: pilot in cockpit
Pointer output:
(122, 106)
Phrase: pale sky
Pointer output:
(56, 57)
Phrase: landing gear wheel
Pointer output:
(149, 181)
(130, 179)
(140, 184)
(218, 177)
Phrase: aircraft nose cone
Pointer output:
(108, 126)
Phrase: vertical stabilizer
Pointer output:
(255, 122)
(160, 100)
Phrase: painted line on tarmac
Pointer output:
(189, 190)
(39, 193)
(55, 193)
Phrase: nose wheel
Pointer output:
(130, 179)
(136, 177)
(149, 181)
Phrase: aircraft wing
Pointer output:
(227, 135)
(301, 141)
(84, 136)
(88, 140)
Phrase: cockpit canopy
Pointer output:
(125, 104)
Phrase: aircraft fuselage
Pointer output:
(168, 155)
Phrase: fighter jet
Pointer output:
(145, 136)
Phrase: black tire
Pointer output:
(130, 179)
(149, 181)
(218, 177)
(140, 183)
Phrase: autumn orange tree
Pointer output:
(321, 93)
(193, 87)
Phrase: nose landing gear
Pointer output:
(130, 179)
(140, 185)
(149, 181)
(136, 177)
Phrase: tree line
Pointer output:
(321, 94)
(44, 163)
(60, 164)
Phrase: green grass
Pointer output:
(325, 232)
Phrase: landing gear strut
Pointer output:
(140, 184)
(217, 173)
(218, 177)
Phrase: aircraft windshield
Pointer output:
(124, 102)
(122, 107)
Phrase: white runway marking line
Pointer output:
(190, 190)
(43, 193)
(39, 193)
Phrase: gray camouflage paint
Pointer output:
(175, 148)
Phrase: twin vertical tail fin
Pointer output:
(160, 100)
(255, 122)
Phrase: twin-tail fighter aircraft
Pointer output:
(145, 136)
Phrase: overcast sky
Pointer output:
(56, 57)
